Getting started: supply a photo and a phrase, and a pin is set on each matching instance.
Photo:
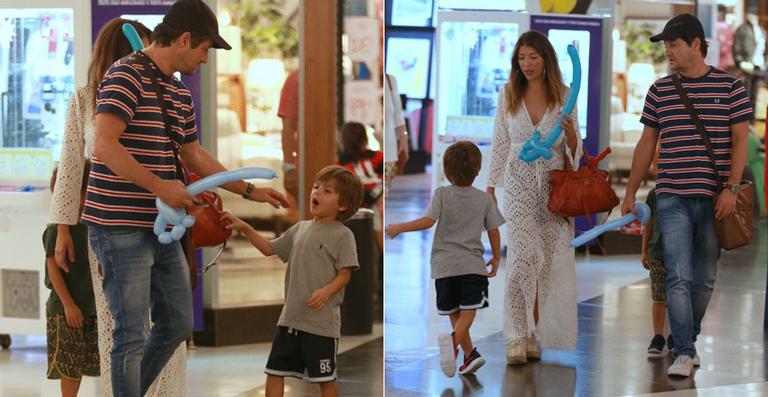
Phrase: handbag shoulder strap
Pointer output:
(181, 172)
(697, 122)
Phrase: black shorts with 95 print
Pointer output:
(465, 292)
(302, 355)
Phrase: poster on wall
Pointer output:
(362, 102)
(586, 34)
(363, 42)
(408, 60)
(412, 12)
(560, 40)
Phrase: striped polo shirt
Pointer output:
(684, 166)
(127, 92)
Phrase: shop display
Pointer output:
(37, 77)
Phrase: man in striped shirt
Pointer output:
(688, 192)
(133, 163)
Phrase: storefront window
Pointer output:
(250, 77)
(36, 81)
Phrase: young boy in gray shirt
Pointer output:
(321, 254)
(462, 214)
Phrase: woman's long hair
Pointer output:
(517, 84)
(110, 46)
(354, 140)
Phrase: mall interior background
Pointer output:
(44, 51)
(450, 58)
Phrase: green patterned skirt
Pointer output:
(72, 352)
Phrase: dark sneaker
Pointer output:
(656, 348)
(670, 343)
(471, 363)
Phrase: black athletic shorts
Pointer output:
(302, 355)
(465, 292)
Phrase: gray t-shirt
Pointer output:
(314, 252)
(462, 214)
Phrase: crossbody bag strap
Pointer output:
(699, 126)
(181, 171)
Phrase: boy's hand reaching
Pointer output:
(74, 316)
(494, 264)
(392, 231)
(233, 222)
(318, 299)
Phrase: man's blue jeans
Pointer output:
(140, 275)
(691, 251)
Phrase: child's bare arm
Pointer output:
(495, 239)
(321, 295)
(252, 235)
(72, 313)
(647, 231)
(412, 226)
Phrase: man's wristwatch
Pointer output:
(248, 190)
(735, 189)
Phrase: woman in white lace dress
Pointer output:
(540, 295)
(110, 46)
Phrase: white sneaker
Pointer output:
(682, 366)
(447, 355)
(697, 361)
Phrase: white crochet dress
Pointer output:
(539, 258)
(65, 209)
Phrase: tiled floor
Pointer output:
(211, 371)
(614, 327)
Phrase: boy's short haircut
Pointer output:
(86, 173)
(347, 185)
(461, 162)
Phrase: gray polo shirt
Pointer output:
(462, 214)
(314, 252)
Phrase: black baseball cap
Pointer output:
(681, 26)
(195, 16)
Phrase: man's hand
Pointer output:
(392, 231)
(173, 193)
(318, 299)
(270, 196)
(646, 262)
(726, 204)
(73, 315)
(65, 249)
(494, 264)
(628, 206)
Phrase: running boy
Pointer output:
(462, 213)
(321, 254)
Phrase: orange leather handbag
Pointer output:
(583, 192)
(208, 230)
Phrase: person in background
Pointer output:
(288, 111)
(395, 135)
(368, 165)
